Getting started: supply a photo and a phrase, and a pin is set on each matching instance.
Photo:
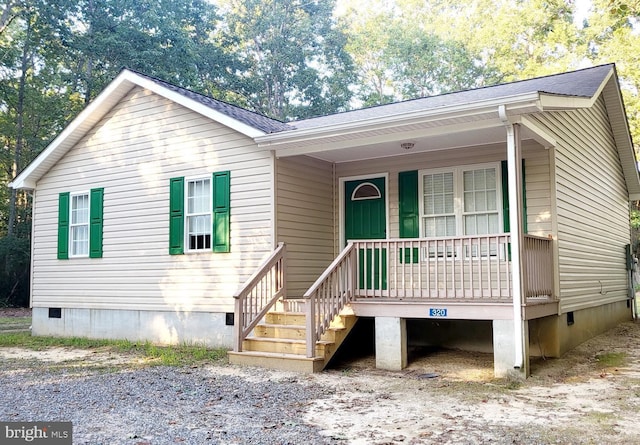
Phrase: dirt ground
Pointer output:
(15, 312)
(589, 396)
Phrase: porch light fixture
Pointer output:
(407, 145)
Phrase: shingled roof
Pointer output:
(255, 120)
(581, 83)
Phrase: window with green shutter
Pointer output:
(80, 221)
(199, 215)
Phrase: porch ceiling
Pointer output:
(339, 149)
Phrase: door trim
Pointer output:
(341, 203)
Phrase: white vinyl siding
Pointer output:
(136, 148)
(305, 215)
(592, 208)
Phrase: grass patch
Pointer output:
(179, 355)
(611, 359)
(6, 322)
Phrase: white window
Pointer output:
(461, 201)
(79, 225)
(480, 197)
(198, 214)
(439, 217)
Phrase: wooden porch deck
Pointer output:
(467, 277)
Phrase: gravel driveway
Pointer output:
(164, 405)
(118, 399)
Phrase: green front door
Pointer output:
(366, 218)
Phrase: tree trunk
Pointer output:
(7, 16)
(17, 154)
(89, 67)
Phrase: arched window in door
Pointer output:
(366, 190)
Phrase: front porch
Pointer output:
(391, 280)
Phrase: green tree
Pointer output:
(612, 35)
(519, 39)
(398, 60)
(292, 58)
(163, 38)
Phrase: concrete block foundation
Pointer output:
(504, 348)
(391, 343)
(168, 328)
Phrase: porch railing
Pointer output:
(451, 268)
(254, 299)
(328, 295)
(538, 267)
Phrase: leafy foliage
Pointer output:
(291, 58)
(14, 271)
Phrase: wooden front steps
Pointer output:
(278, 342)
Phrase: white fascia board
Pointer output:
(117, 89)
(197, 107)
(516, 104)
(553, 102)
(28, 178)
(362, 140)
(622, 136)
(539, 134)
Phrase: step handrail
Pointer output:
(259, 293)
(329, 295)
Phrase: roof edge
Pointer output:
(515, 105)
(146, 82)
(24, 180)
(119, 86)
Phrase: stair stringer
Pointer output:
(268, 341)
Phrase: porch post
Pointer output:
(391, 343)
(514, 163)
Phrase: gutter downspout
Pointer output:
(514, 161)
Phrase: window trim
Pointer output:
(187, 181)
(87, 224)
(458, 193)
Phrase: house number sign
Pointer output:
(437, 312)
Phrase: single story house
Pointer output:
(491, 219)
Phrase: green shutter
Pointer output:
(221, 211)
(63, 226)
(506, 225)
(505, 199)
(95, 223)
(408, 203)
(176, 216)
(409, 213)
